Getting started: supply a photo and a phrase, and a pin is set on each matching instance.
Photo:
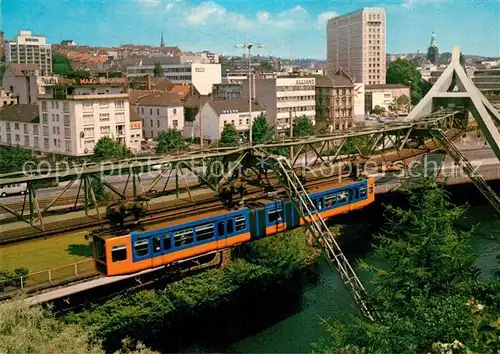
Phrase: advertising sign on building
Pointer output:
(359, 102)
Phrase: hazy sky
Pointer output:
(286, 28)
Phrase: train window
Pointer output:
(141, 248)
(220, 228)
(342, 197)
(362, 191)
(330, 200)
(183, 237)
(156, 244)
(241, 223)
(320, 203)
(166, 242)
(230, 226)
(275, 215)
(205, 232)
(119, 253)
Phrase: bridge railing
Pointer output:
(48, 277)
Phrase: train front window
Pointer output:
(100, 249)
(141, 248)
(119, 253)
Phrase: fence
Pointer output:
(48, 277)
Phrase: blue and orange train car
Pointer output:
(186, 238)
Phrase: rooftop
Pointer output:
(160, 99)
(385, 86)
(234, 106)
(333, 81)
(25, 113)
(22, 69)
(134, 95)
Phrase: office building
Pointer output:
(30, 49)
(160, 111)
(70, 118)
(356, 42)
(384, 95)
(201, 75)
(284, 99)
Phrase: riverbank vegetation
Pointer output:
(427, 293)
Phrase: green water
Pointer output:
(330, 299)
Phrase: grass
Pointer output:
(47, 253)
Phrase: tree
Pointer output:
(2, 71)
(423, 292)
(61, 65)
(399, 103)
(261, 130)
(229, 136)
(169, 140)
(378, 110)
(13, 159)
(403, 71)
(303, 126)
(108, 148)
(158, 70)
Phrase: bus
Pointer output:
(13, 189)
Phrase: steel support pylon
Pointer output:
(307, 210)
(472, 172)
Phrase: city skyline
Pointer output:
(295, 28)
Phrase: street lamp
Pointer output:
(249, 46)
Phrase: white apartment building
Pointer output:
(72, 116)
(201, 75)
(25, 81)
(160, 111)
(383, 95)
(356, 42)
(29, 49)
(216, 114)
(285, 99)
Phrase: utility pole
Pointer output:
(250, 93)
(291, 135)
(201, 124)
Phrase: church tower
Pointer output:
(433, 50)
(162, 43)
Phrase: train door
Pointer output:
(156, 249)
(221, 234)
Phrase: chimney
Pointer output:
(150, 84)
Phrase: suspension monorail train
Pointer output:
(186, 238)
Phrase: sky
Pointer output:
(289, 29)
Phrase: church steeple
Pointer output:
(433, 40)
(433, 50)
(162, 43)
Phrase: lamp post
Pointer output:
(249, 46)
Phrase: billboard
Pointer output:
(359, 102)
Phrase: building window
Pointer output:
(104, 117)
(45, 118)
(120, 117)
(158, 123)
(88, 132)
(25, 128)
(103, 104)
(67, 132)
(16, 126)
(36, 142)
(88, 106)
(53, 130)
(35, 129)
(119, 104)
(66, 107)
(175, 123)
(67, 145)
(151, 123)
(44, 106)
(105, 130)
(46, 143)
(151, 111)
(175, 110)
(66, 120)
(45, 130)
(142, 110)
(157, 111)
(88, 119)
(89, 145)
(26, 140)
